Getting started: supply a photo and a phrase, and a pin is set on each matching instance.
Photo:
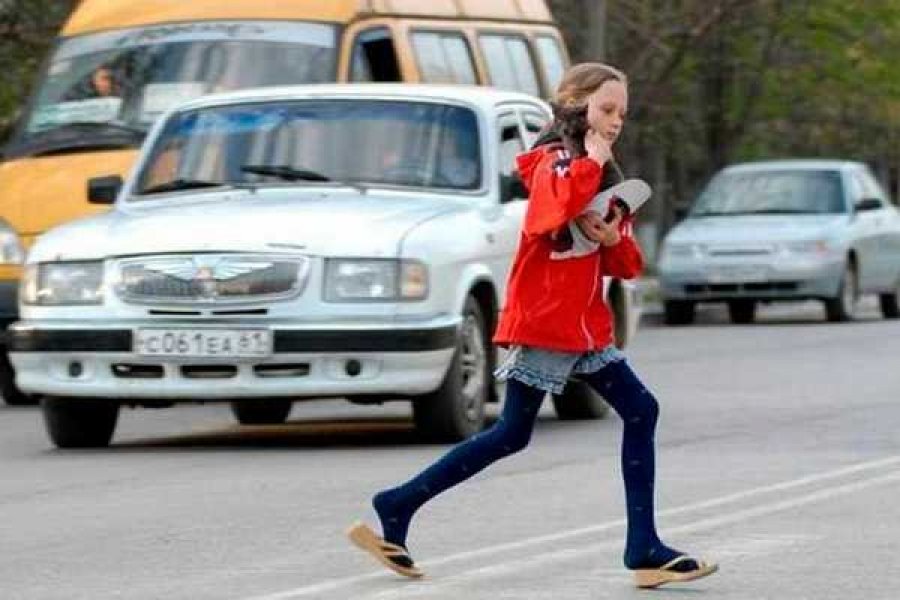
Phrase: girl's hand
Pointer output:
(598, 147)
(596, 229)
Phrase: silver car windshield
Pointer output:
(393, 143)
(106, 85)
(772, 192)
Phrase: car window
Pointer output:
(374, 57)
(443, 57)
(870, 186)
(509, 63)
(534, 124)
(552, 62)
(771, 192)
(309, 142)
(510, 143)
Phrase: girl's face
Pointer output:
(607, 108)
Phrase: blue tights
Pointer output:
(621, 388)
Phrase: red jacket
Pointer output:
(558, 304)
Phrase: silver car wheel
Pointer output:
(850, 292)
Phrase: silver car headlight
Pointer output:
(63, 283)
(683, 250)
(807, 247)
(374, 280)
(11, 250)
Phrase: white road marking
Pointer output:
(827, 493)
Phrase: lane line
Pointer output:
(340, 582)
(447, 583)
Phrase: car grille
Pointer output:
(211, 279)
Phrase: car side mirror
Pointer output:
(868, 204)
(512, 188)
(104, 190)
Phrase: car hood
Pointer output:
(754, 228)
(332, 223)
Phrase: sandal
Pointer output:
(674, 571)
(394, 557)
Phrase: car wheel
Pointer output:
(678, 312)
(742, 311)
(79, 422)
(843, 306)
(12, 395)
(579, 402)
(890, 303)
(261, 412)
(455, 411)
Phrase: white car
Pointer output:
(347, 241)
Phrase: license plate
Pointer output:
(225, 343)
(739, 274)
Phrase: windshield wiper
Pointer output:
(98, 125)
(285, 172)
(288, 173)
(183, 184)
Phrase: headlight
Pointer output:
(63, 283)
(818, 247)
(11, 250)
(683, 250)
(349, 280)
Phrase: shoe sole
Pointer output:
(363, 537)
(653, 578)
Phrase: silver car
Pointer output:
(784, 230)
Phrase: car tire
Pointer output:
(843, 306)
(455, 411)
(79, 422)
(12, 395)
(579, 402)
(742, 312)
(678, 312)
(890, 304)
(261, 412)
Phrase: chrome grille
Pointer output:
(211, 278)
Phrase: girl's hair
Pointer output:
(571, 99)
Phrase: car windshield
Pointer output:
(771, 192)
(106, 89)
(360, 142)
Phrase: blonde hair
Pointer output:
(582, 80)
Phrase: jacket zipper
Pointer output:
(587, 333)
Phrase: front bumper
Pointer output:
(402, 359)
(789, 280)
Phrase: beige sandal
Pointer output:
(394, 557)
(651, 578)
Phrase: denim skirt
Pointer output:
(549, 370)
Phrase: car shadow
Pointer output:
(305, 433)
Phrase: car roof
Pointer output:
(794, 164)
(483, 96)
(98, 15)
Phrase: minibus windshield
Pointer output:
(106, 89)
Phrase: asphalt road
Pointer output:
(779, 456)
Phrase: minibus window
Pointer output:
(551, 60)
(443, 57)
(374, 57)
(122, 80)
(509, 63)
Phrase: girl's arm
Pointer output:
(560, 188)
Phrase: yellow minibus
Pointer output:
(119, 64)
